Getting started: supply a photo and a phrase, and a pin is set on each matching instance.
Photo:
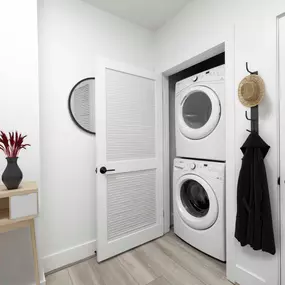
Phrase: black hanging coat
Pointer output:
(254, 221)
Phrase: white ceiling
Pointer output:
(151, 14)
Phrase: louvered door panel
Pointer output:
(130, 116)
(131, 202)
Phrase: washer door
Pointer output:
(196, 202)
(199, 112)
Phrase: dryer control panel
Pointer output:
(215, 74)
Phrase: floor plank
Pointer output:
(197, 267)
(59, 278)
(94, 265)
(160, 281)
(164, 265)
(113, 272)
(142, 273)
(83, 274)
(204, 258)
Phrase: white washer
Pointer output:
(200, 116)
(199, 205)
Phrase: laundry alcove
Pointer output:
(205, 65)
(213, 57)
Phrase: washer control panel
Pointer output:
(215, 170)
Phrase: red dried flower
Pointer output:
(12, 144)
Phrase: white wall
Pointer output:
(72, 33)
(248, 28)
(19, 110)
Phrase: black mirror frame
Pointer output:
(69, 105)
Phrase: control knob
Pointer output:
(192, 166)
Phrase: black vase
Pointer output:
(12, 175)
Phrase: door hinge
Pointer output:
(278, 181)
(163, 213)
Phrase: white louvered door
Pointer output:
(129, 158)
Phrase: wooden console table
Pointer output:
(18, 209)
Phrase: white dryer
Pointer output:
(200, 116)
(199, 205)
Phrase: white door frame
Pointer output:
(228, 46)
(281, 152)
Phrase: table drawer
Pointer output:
(23, 206)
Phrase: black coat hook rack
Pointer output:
(253, 110)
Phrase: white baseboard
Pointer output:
(244, 276)
(68, 256)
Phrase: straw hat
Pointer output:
(251, 90)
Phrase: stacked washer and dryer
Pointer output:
(199, 169)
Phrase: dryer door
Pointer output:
(196, 202)
(199, 112)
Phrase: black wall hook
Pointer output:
(254, 110)
(251, 72)
(253, 119)
(248, 117)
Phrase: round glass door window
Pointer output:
(194, 198)
(197, 110)
(196, 202)
(200, 112)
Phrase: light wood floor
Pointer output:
(165, 261)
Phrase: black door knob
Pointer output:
(103, 170)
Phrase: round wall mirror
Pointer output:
(81, 104)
